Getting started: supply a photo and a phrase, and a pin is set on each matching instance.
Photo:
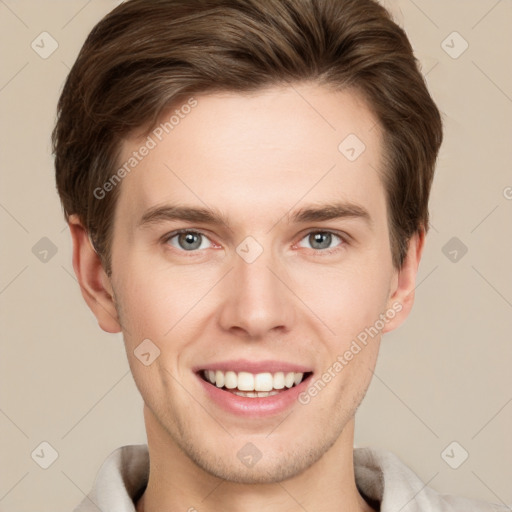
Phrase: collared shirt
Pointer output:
(381, 478)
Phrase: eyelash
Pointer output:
(319, 252)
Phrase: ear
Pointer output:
(401, 297)
(94, 282)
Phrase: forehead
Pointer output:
(263, 151)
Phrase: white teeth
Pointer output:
(279, 380)
(219, 379)
(252, 394)
(263, 384)
(267, 393)
(246, 381)
(259, 394)
(230, 380)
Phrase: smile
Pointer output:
(252, 385)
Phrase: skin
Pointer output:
(257, 159)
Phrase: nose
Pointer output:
(256, 301)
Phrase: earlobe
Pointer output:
(401, 297)
(94, 283)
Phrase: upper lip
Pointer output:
(243, 365)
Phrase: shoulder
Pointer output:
(381, 476)
(120, 479)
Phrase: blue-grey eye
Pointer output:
(320, 240)
(189, 241)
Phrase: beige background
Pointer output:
(444, 376)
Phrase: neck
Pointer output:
(177, 483)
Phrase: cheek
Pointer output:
(154, 316)
(158, 301)
(347, 299)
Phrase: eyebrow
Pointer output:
(310, 213)
(331, 212)
(159, 214)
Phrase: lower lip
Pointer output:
(254, 407)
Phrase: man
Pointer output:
(246, 183)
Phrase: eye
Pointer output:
(188, 240)
(320, 240)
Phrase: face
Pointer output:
(249, 245)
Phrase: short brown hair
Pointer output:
(146, 55)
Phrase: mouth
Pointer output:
(253, 385)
